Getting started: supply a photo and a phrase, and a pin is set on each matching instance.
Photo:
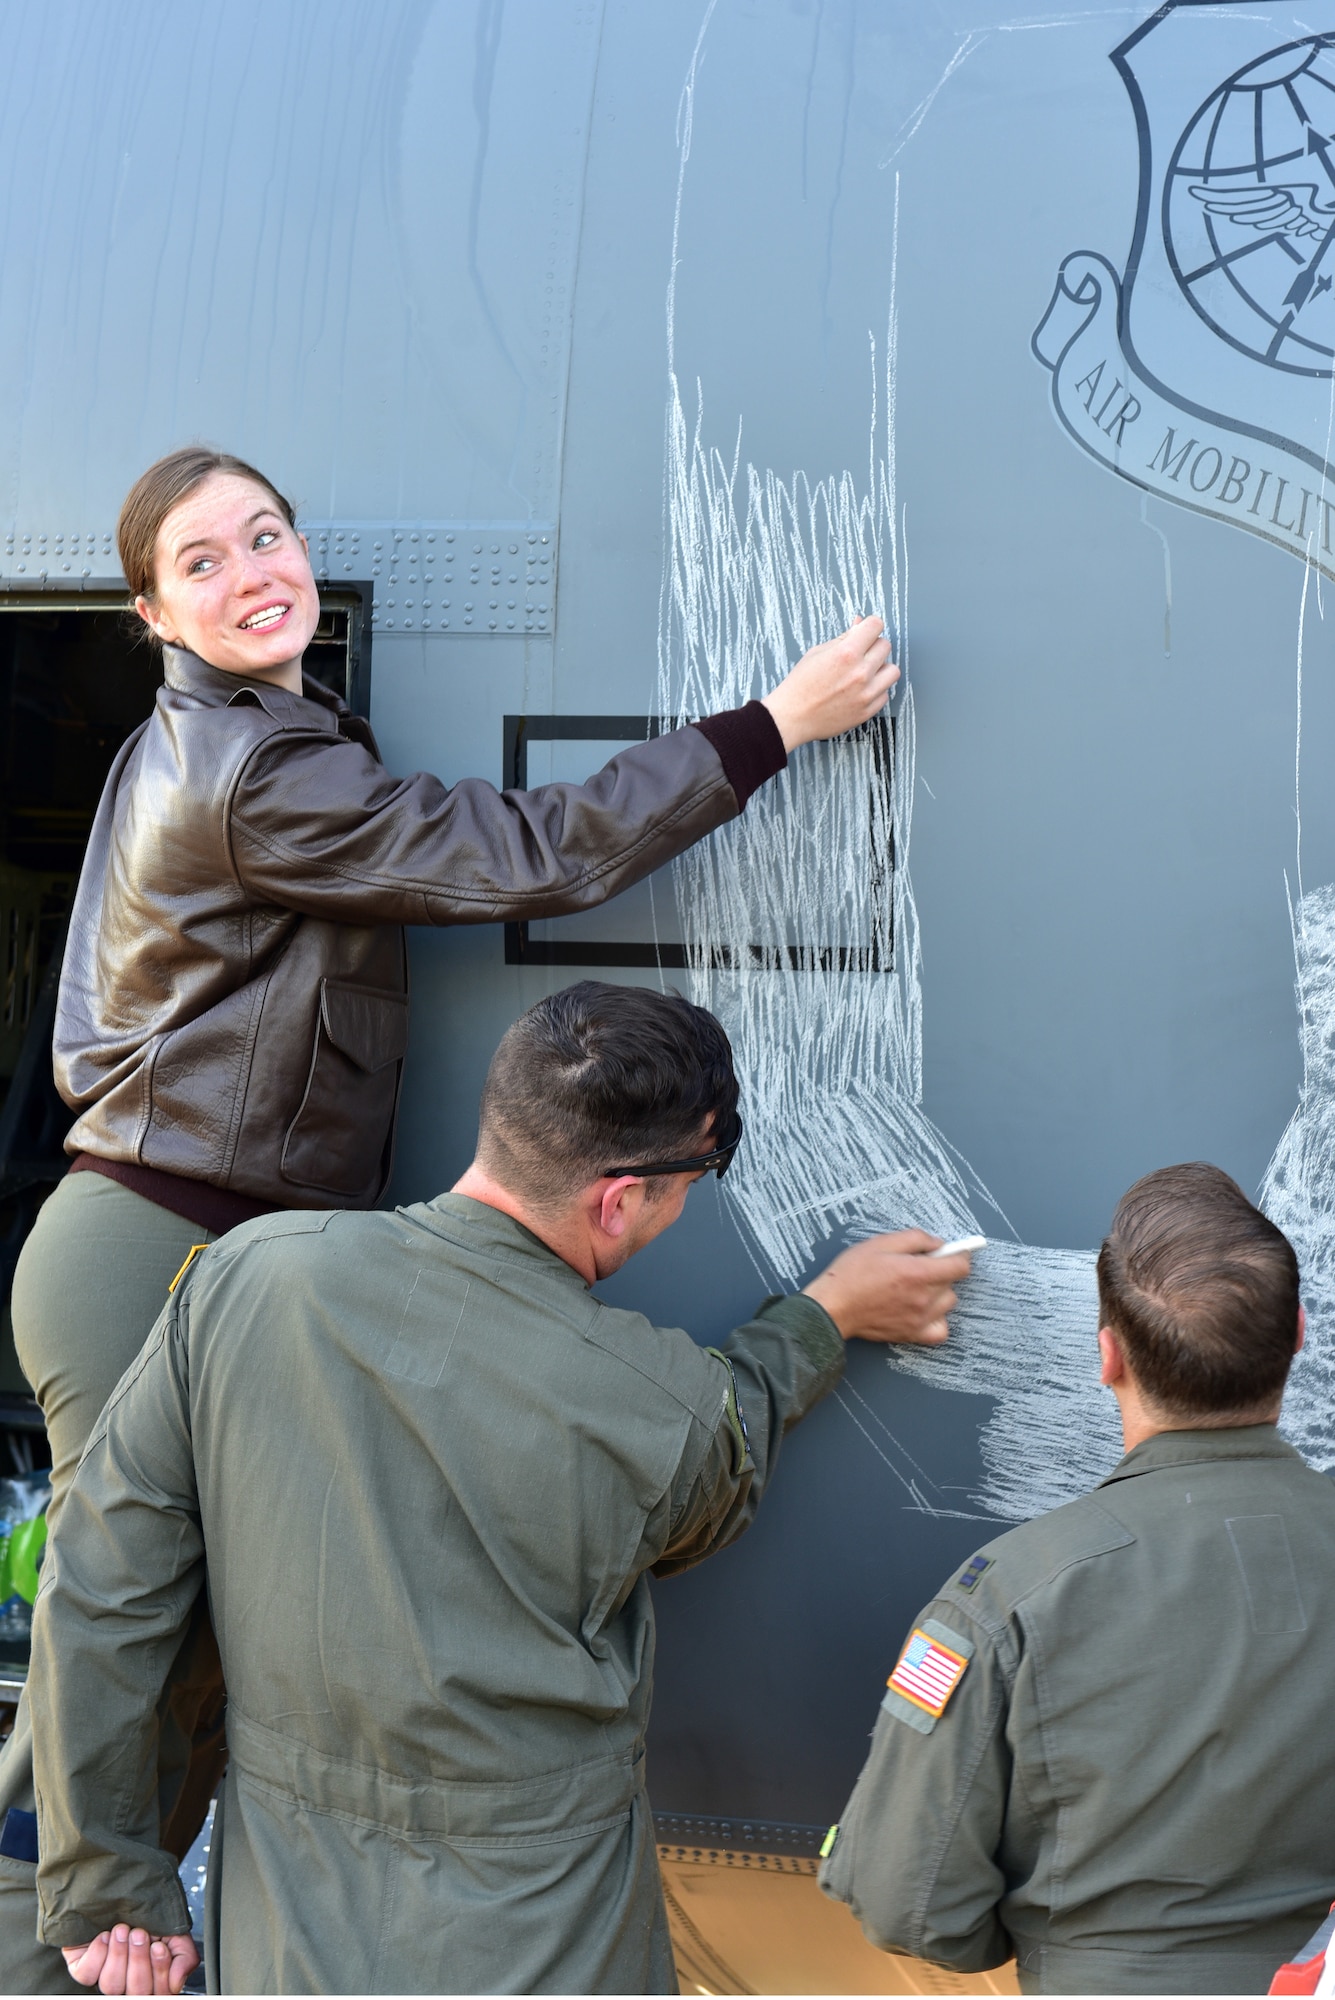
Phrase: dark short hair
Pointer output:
(155, 492)
(598, 1076)
(1203, 1290)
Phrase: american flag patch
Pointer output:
(928, 1672)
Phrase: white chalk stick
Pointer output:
(963, 1245)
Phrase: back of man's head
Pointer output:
(599, 1076)
(1202, 1290)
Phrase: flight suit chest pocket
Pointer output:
(337, 1139)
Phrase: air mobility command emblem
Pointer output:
(1196, 371)
(929, 1670)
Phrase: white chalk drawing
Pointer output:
(838, 1142)
(826, 1015)
(1298, 1192)
(758, 568)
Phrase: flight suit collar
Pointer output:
(475, 1224)
(1197, 1447)
(186, 673)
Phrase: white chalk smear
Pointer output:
(838, 1144)
(1298, 1192)
(802, 935)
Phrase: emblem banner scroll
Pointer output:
(1104, 402)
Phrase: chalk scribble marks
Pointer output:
(1298, 1193)
(802, 934)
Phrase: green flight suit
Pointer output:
(431, 1472)
(1132, 1784)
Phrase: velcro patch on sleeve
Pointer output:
(973, 1572)
(928, 1671)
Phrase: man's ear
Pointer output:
(618, 1203)
(1112, 1362)
(1302, 1330)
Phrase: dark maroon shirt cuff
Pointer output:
(749, 747)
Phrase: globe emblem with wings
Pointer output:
(1249, 208)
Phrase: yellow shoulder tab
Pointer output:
(195, 1249)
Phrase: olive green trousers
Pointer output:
(91, 1281)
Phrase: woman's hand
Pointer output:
(130, 1961)
(836, 686)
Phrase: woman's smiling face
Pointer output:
(233, 582)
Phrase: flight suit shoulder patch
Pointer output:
(926, 1675)
(736, 1418)
(973, 1573)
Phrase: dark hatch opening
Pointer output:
(74, 683)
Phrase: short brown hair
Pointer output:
(596, 1075)
(1203, 1291)
(164, 486)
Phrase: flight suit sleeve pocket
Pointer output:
(338, 1136)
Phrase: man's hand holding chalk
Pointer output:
(897, 1288)
(963, 1246)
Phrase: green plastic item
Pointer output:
(20, 1552)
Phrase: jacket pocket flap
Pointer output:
(369, 1027)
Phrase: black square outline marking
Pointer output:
(520, 949)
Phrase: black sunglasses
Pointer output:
(720, 1159)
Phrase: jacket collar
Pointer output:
(186, 673)
(476, 1226)
(1200, 1447)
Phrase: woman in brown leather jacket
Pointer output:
(233, 1009)
(233, 1004)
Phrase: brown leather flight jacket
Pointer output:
(234, 1001)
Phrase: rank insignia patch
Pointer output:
(973, 1572)
(928, 1672)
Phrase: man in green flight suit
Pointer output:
(1107, 1743)
(433, 1473)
